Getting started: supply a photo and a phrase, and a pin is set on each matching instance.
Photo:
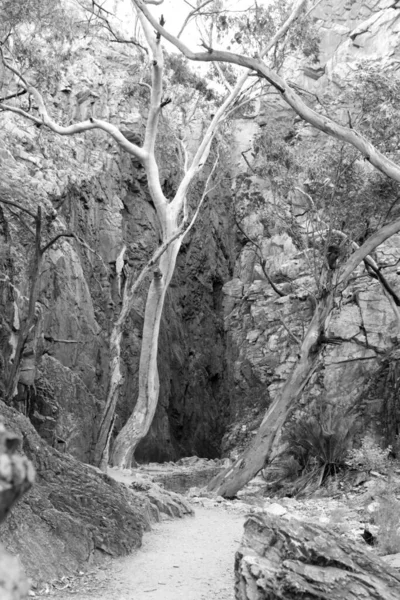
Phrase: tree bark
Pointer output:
(101, 452)
(139, 422)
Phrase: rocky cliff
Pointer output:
(225, 345)
(86, 185)
(263, 328)
(228, 340)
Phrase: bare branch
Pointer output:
(261, 259)
(107, 25)
(191, 15)
(54, 240)
(324, 124)
(18, 216)
(19, 206)
(91, 123)
(296, 339)
(10, 96)
(50, 338)
(206, 191)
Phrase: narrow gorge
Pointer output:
(248, 274)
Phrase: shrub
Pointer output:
(319, 442)
(322, 439)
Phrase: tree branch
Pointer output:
(75, 128)
(371, 266)
(19, 206)
(296, 339)
(54, 240)
(324, 124)
(10, 96)
(191, 15)
(258, 253)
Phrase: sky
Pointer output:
(174, 12)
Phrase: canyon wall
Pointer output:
(85, 184)
(264, 329)
(227, 340)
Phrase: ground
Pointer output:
(185, 559)
(192, 558)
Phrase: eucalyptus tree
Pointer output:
(174, 218)
(265, 441)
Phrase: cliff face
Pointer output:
(263, 329)
(227, 340)
(86, 185)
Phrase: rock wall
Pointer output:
(75, 514)
(87, 185)
(225, 345)
(263, 329)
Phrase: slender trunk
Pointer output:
(139, 422)
(26, 326)
(230, 481)
(101, 451)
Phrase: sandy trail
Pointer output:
(181, 559)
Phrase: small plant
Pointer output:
(320, 443)
(322, 439)
(370, 457)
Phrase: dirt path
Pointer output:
(181, 559)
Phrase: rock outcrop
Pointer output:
(263, 329)
(283, 559)
(16, 477)
(75, 514)
(86, 185)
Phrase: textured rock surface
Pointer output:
(75, 514)
(190, 472)
(281, 559)
(100, 193)
(263, 329)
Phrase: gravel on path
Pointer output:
(181, 559)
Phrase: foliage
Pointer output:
(370, 456)
(37, 35)
(375, 94)
(182, 74)
(276, 160)
(356, 198)
(317, 445)
(250, 31)
(322, 439)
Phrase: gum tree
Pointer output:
(262, 446)
(174, 219)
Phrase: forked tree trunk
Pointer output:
(230, 481)
(139, 422)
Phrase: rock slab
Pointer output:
(282, 559)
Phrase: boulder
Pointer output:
(74, 514)
(283, 559)
(16, 477)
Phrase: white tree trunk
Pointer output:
(139, 422)
(230, 481)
